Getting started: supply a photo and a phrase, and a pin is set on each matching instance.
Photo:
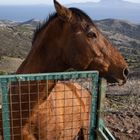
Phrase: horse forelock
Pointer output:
(42, 25)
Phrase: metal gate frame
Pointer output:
(98, 131)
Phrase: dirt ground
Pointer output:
(122, 110)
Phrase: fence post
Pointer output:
(5, 110)
(93, 115)
(102, 132)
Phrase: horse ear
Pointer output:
(63, 12)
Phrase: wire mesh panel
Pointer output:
(58, 106)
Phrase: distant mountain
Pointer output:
(120, 26)
(107, 3)
(117, 9)
(32, 22)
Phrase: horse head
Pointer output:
(86, 48)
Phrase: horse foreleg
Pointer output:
(27, 133)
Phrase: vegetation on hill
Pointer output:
(15, 41)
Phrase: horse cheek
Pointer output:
(82, 60)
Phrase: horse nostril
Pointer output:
(126, 72)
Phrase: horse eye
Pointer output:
(91, 34)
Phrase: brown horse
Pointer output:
(61, 116)
(68, 39)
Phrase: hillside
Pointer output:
(9, 64)
(15, 41)
(16, 37)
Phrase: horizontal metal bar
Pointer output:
(49, 76)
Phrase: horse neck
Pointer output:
(46, 53)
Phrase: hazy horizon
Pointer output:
(112, 9)
(50, 2)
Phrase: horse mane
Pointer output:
(79, 13)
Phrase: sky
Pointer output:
(26, 2)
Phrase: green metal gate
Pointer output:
(90, 80)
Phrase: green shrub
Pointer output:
(3, 73)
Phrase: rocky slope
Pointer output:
(15, 41)
(16, 37)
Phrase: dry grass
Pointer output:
(9, 64)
